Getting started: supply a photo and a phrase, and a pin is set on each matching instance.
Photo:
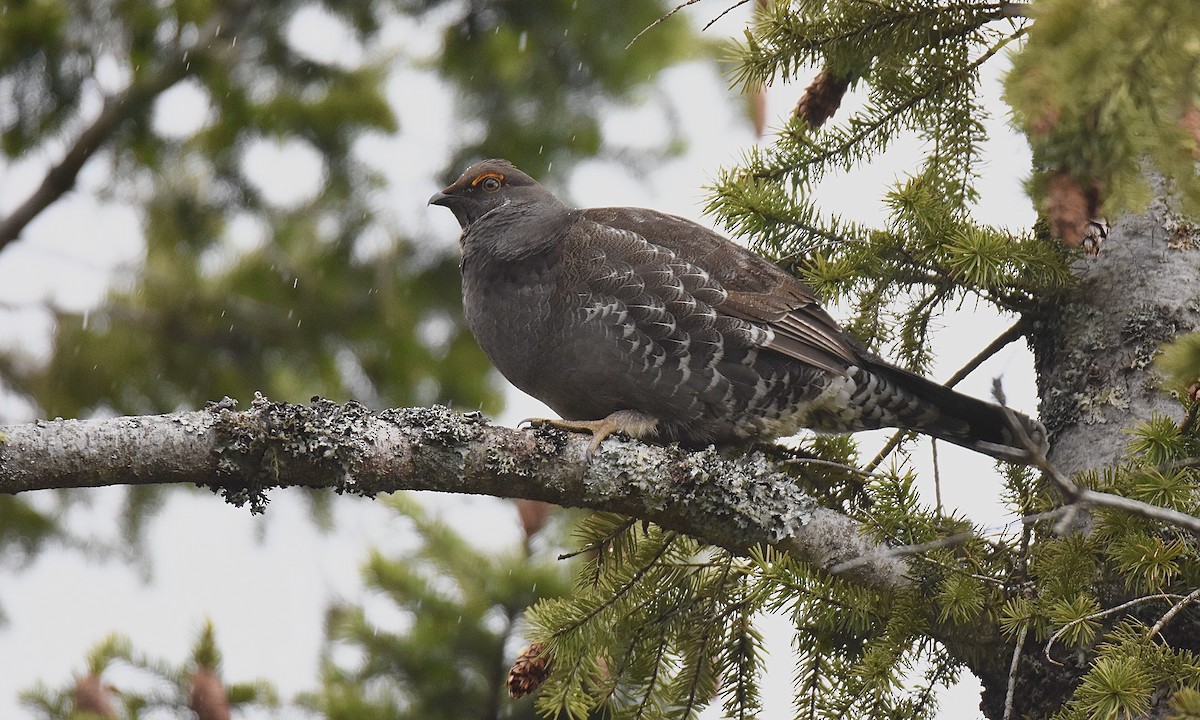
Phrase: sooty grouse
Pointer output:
(634, 320)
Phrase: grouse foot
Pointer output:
(633, 423)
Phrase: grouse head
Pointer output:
(487, 186)
(504, 213)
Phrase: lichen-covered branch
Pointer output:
(734, 502)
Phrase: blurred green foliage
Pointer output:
(149, 687)
(1106, 112)
(541, 75)
(453, 628)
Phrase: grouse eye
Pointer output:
(490, 184)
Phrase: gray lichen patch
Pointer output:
(622, 467)
(742, 500)
(437, 424)
(1092, 405)
(1145, 328)
(756, 498)
(1182, 234)
(257, 445)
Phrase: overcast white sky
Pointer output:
(265, 582)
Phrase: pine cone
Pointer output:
(93, 697)
(207, 697)
(822, 98)
(530, 670)
(533, 515)
(1074, 213)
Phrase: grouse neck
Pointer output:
(515, 231)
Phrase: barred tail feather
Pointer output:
(970, 422)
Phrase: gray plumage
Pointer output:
(673, 333)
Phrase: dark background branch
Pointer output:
(131, 102)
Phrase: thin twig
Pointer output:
(724, 12)
(985, 533)
(599, 543)
(1137, 507)
(1015, 332)
(830, 463)
(1097, 615)
(1012, 672)
(892, 444)
(948, 541)
(1181, 464)
(661, 20)
(937, 476)
(975, 576)
(1175, 610)
(901, 551)
(1038, 517)
(1079, 496)
(116, 109)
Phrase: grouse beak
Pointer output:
(441, 198)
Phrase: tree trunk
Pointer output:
(1094, 352)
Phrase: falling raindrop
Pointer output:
(86, 313)
(295, 281)
(523, 40)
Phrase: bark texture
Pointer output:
(1094, 352)
(733, 502)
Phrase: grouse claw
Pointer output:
(630, 422)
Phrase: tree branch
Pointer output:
(1077, 496)
(733, 502)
